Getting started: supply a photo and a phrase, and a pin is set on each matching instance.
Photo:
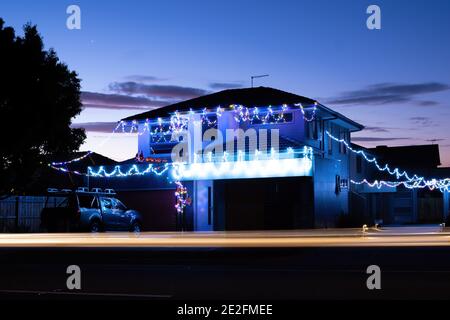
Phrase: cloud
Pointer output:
(426, 103)
(388, 93)
(106, 127)
(424, 121)
(376, 129)
(225, 85)
(139, 94)
(118, 101)
(154, 91)
(375, 139)
(142, 78)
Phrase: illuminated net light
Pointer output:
(132, 171)
(279, 165)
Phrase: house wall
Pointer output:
(329, 203)
(294, 129)
(446, 205)
(331, 177)
(203, 196)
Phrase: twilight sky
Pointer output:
(136, 55)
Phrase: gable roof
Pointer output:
(249, 97)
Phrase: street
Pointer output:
(313, 264)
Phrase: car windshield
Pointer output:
(119, 205)
(107, 203)
(112, 203)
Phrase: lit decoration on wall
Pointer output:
(132, 171)
(411, 182)
(162, 130)
(178, 122)
(313, 113)
(434, 184)
(261, 166)
(182, 197)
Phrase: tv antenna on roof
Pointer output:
(433, 141)
(260, 76)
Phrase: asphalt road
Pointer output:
(414, 263)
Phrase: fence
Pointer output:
(21, 213)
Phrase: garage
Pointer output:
(264, 204)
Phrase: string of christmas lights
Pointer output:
(443, 185)
(395, 172)
(313, 114)
(87, 154)
(412, 181)
(182, 197)
(132, 171)
(163, 130)
(178, 123)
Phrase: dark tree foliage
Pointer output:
(39, 96)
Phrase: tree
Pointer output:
(39, 96)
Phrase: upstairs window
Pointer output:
(358, 164)
(330, 141)
(312, 129)
(342, 147)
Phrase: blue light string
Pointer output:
(178, 123)
(411, 182)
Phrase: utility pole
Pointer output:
(260, 76)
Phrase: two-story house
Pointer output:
(254, 158)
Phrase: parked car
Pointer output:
(83, 210)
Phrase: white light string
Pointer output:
(412, 181)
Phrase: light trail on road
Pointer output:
(393, 237)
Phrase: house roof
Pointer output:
(249, 97)
(419, 156)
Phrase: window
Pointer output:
(107, 203)
(118, 205)
(312, 130)
(160, 133)
(344, 183)
(338, 185)
(342, 147)
(274, 118)
(210, 122)
(330, 142)
(358, 164)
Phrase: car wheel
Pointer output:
(136, 227)
(94, 227)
